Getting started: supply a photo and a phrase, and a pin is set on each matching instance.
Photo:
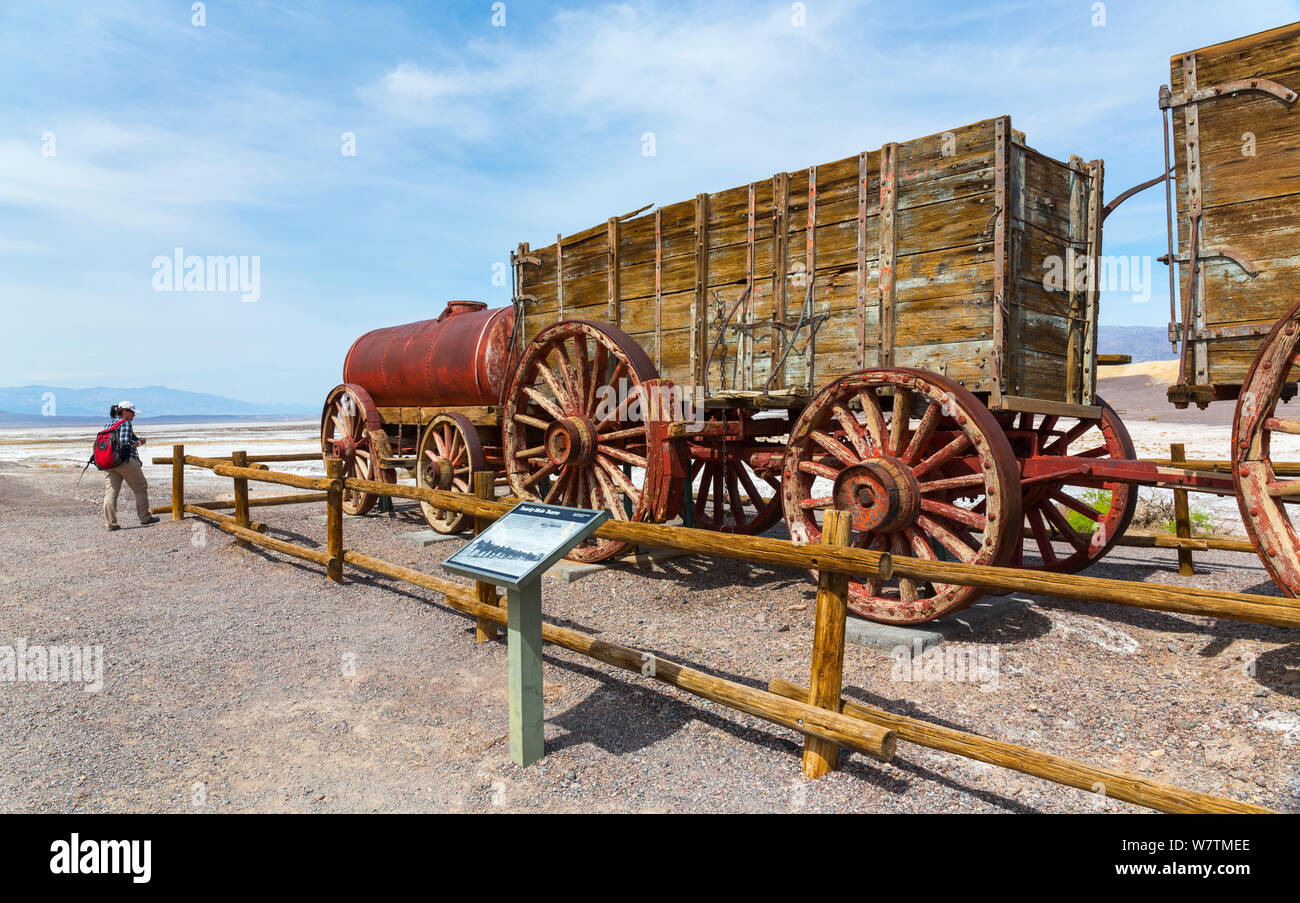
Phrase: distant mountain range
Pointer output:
(150, 401)
(1145, 343)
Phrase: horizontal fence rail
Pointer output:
(827, 725)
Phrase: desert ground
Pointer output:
(237, 680)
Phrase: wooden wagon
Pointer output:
(864, 334)
(908, 334)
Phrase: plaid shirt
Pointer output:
(126, 438)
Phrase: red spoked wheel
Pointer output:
(449, 455)
(1101, 514)
(574, 430)
(1262, 495)
(924, 470)
(351, 429)
(732, 496)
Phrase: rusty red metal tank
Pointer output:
(460, 358)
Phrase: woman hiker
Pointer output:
(129, 470)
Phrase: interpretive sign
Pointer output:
(514, 552)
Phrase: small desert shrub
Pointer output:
(1156, 513)
(1099, 499)
(1153, 511)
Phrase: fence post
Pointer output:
(240, 459)
(334, 519)
(1182, 518)
(828, 647)
(178, 482)
(485, 488)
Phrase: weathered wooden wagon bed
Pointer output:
(926, 253)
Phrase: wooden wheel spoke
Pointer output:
(955, 542)
(949, 483)
(875, 417)
(1281, 425)
(733, 493)
(585, 376)
(1100, 451)
(562, 399)
(621, 480)
(636, 432)
(610, 498)
(906, 585)
(942, 456)
(1062, 444)
(623, 455)
(706, 481)
(1057, 520)
(531, 421)
(597, 376)
(742, 473)
(834, 446)
(574, 488)
(820, 501)
(856, 432)
(818, 470)
(573, 388)
(620, 371)
(1284, 490)
(924, 432)
(1074, 504)
(562, 481)
(543, 402)
(550, 468)
(954, 513)
(900, 420)
(1041, 538)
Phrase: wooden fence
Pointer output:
(817, 711)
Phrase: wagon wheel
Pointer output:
(944, 487)
(350, 428)
(448, 457)
(1262, 495)
(574, 433)
(1100, 520)
(728, 485)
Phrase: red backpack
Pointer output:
(109, 452)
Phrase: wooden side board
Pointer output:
(927, 253)
(479, 415)
(1237, 155)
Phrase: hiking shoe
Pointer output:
(152, 520)
(112, 527)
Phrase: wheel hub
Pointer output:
(880, 494)
(441, 473)
(345, 448)
(571, 441)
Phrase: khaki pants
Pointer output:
(130, 471)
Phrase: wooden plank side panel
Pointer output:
(682, 268)
(1249, 147)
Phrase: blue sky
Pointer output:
(226, 140)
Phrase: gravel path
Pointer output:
(236, 680)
